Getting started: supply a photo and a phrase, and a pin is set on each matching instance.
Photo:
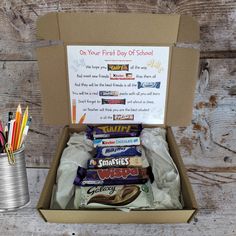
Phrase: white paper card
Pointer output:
(117, 84)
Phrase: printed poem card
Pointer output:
(117, 84)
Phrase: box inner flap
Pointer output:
(118, 28)
(53, 81)
(95, 29)
(182, 81)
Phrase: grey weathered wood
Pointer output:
(207, 144)
(19, 84)
(18, 21)
(214, 192)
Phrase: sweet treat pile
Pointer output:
(115, 177)
(123, 177)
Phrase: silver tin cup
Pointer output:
(14, 192)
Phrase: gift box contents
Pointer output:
(115, 167)
(114, 180)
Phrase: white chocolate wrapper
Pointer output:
(114, 196)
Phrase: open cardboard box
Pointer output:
(117, 29)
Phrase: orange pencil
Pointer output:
(23, 124)
(73, 111)
(17, 128)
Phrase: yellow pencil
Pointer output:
(17, 131)
(23, 124)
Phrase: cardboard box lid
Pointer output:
(95, 29)
(118, 28)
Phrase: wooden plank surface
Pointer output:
(18, 21)
(207, 144)
(214, 192)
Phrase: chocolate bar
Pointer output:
(113, 131)
(149, 85)
(111, 176)
(118, 196)
(108, 93)
(118, 151)
(118, 67)
(117, 142)
(113, 101)
(97, 163)
(123, 117)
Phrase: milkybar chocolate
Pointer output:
(149, 85)
(118, 151)
(111, 176)
(97, 163)
(117, 142)
(118, 196)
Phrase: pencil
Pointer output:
(10, 117)
(23, 124)
(6, 132)
(1, 138)
(73, 111)
(17, 127)
(81, 121)
(11, 134)
(26, 129)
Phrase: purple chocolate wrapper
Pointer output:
(118, 151)
(113, 131)
(112, 176)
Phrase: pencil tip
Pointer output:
(19, 108)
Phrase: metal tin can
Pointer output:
(14, 192)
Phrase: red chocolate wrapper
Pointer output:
(113, 101)
(112, 176)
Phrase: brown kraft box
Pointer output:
(130, 29)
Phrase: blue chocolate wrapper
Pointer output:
(149, 85)
(118, 151)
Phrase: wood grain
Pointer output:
(214, 192)
(207, 144)
(18, 21)
(19, 84)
